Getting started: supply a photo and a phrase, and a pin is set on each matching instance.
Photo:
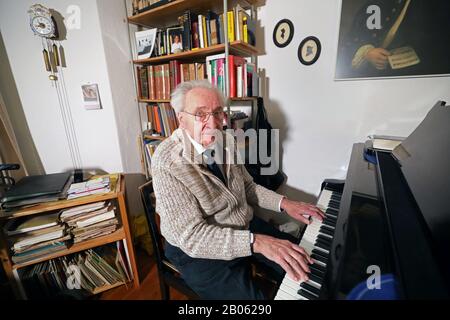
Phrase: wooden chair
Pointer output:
(168, 274)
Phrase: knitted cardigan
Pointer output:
(198, 213)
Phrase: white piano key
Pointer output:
(292, 293)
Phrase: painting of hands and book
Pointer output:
(393, 38)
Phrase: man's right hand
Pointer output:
(291, 257)
(378, 57)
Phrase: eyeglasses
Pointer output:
(204, 116)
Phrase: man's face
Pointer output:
(198, 101)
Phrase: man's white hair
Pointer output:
(178, 96)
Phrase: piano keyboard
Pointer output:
(316, 240)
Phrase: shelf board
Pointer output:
(119, 234)
(154, 100)
(236, 47)
(159, 16)
(168, 101)
(155, 138)
(107, 287)
(61, 204)
(244, 99)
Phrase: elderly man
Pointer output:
(206, 210)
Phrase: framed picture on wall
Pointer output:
(393, 38)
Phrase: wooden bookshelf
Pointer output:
(240, 48)
(123, 233)
(244, 99)
(168, 15)
(159, 16)
(119, 234)
(154, 101)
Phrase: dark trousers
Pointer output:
(227, 280)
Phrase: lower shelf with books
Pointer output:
(78, 275)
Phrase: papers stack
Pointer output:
(90, 220)
(94, 186)
(99, 269)
(35, 237)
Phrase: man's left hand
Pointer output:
(301, 211)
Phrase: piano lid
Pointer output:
(424, 158)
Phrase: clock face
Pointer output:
(42, 26)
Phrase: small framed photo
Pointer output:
(91, 97)
(283, 33)
(145, 42)
(309, 50)
(175, 39)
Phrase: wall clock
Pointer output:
(283, 33)
(43, 25)
(42, 22)
(309, 50)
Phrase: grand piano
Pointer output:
(386, 234)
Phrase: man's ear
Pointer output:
(180, 118)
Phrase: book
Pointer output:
(37, 189)
(145, 41)
(387, 143)
(27, 224)
(26, 241)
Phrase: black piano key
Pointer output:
(315, 267)
(336, 197)
(315, 278)
(318, 240)
(334, 206)
(324, 238)
(318, 267)
(320, 253)
(331, 218)
(334, 202)
(322, 245)
(329, 222)
(326, 231)
(323, 226)
(306, 294)
(317, 273)
(332, 211)
(319, 258)
(332, 215)
(310, 288)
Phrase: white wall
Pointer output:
(113, 15)
(320, 118)
(86, 63)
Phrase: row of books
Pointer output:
(90, 221)
(89, 271)
(206, 30)
(150, 147)
(92, 186)
(139, 6)
(162, 120)
(34, 237)
(243, 75)
(156, 82)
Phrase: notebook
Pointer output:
(35, 189)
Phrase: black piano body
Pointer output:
(394, 219)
